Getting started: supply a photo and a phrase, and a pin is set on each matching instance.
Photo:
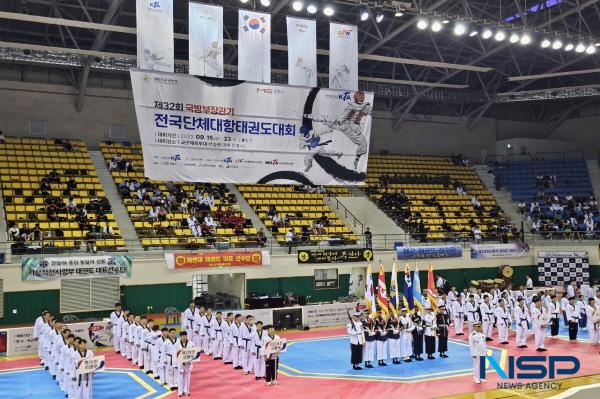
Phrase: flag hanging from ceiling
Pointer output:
(206, 40)
(343, 56)
(302, 51)
(394, 299)
(431, 290)
(254, 46)
(407, 296)
(417, 296)
(382, 297)
(370, 292)
(155, 38)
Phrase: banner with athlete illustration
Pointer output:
(343, 56)
(302, 51)
(155, 37)
(242, 132)
(206, 40)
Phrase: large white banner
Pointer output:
(302, 51)
(249, 132)
(206, 40)
(343, 56)
(333, 314)
(254, 46)
(155, 38)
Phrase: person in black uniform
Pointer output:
(381, 327)
(370, 341)
(417, 337)
(393, 334)
(442, 321)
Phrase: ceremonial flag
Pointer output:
(254, 46)
(382, 298)
(351, 289)
(394, 300)
(370, 293)
(407, 296)
(431, 290)
(206, 40)
(343, 56)
(417, 296)
(302, 51)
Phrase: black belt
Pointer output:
(246, 339)
(258, 350)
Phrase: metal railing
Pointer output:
(379, 243)
(347, 214)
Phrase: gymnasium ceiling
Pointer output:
(396, 38)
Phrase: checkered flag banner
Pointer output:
(560, 268)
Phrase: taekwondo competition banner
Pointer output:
(302, 51)
(89, 365)
(206, 40)
(20, 341)
(75, 267)
(343, 56)
(190, 260)
(429, 252)
(516, 250)
(254, 46)
(248, 133)
(324, 315)
(335, 255)
(155, 38)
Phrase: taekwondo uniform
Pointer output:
(227, 343)
(183, 371)
(153, 338)
(72, 360)
(124, 334)
(136, 331)
(538, 329)
(478, 348)
(132, 354)
(487, 315)
(83, 383)
(368, 354)
(564, 302)
(582, 315)
(355, 332)
(381, 339)
(258, 354)
(572, 312)
(452, 295)
(393, 335)
(246, 340)
(161, 361)
(146, 355)
(522, 319)
(62, 375)
(188, 320)
(37, 332)
(216, 332)
(199, 331)
(406, 338)
(170, 362)
(458, 312)
(115, 320)
(56, 340)
(207, 334)
(443, 325)
(593, 328)
(237, 344)
(272, 362)
(554, 310)
(429, 324)
(503, 322)
(472, 311)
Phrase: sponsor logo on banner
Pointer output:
(92, 364)
(429, 252)
(38, 268)
(182, 260)
(335, 255)
(516, 250)
(188, 355)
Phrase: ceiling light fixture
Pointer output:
(569, 47)
(364, 12)
(513, 38)
(265, 3)
(379, 16)
(473, 33)
(460, 28)
(422, 23)
(499, 36)
(557, 44)
(580, 48)
(436, 26)
(328, 10)
(487, 33)
(545, 43)
(525, 39)
(591, 49)
(298, 5)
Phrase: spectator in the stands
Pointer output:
(2, 137)
(522, 206)
(53, 177)
(261, 238)
(90, 241)
(477, 234)
(368, 238)
(209, 221)
(191, 220)
(153, 214)
(71, 205)
(272, 211)
(196, 229)
(277, 221)
(206, 202)
(13, 233)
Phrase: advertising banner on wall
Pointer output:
(242, 132)
(327, 315)
(429, 252)
(190, 260)
(155, 35)
(516, 250)
(206, 40)
(562, 267)
(302, 51)
(335, 255)
(20, 341)
(49, 268)
(343, 56)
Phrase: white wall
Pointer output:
(585, 131)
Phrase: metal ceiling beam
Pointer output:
(99, 41)
(552, 75)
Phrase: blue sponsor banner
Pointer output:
(430, 252)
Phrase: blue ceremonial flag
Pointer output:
(407, 296)
(417, 295)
